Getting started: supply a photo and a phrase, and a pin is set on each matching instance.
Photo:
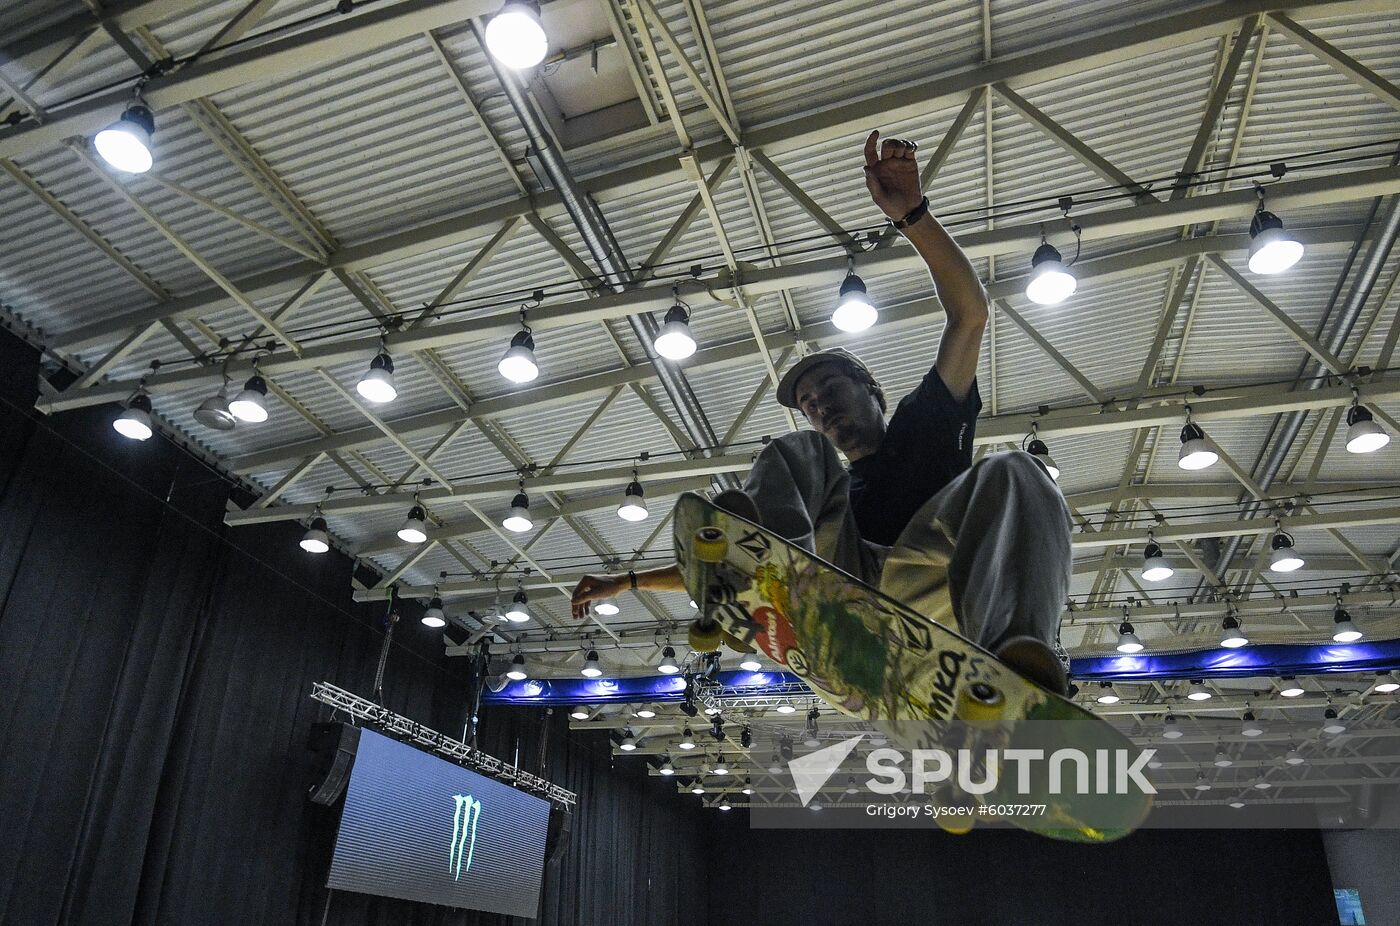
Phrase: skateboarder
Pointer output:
(984, 549)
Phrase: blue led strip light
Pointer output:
(1256, 660)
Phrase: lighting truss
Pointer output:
(767, 696)
(445, 747)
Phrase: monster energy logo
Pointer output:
(465, 816)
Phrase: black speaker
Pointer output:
(335, 745)
(561, 827)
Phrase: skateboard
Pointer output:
(916, 681)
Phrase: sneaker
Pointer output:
(1036, 662)
(737, 502)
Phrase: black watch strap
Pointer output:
(918, 212)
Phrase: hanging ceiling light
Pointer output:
(435, 616)
(517, 671)
(1331, 723)
(687, 738)
(1271, 249)
(317, 536)
(517, 520)
(1036, 448)
(213, 412)
(1343, 630)
(591, 669)
(646, 713)
(853, 309)
(580, 713)
(1198, 691)
(1155, 567)
(134, 422)
(1250, 727)
(1196, 452)
(1128, 641)
(674, 340)
(634, 504)
(668, 665)
(1290, 687)
(250, 404)
(1222, 760)
(1201, 783)
(1170, 730)
(1051, 282)
(1292, 757)
(515, 37)
(724, 804)
(1107, 694)
(415, 527)
(786, 709)
(519, 610)
(1231, 636)
(606, 608)
(697, 787)
(667, 768)
(629, 741)
(1284, 558)
(126, 143)
(1363, 434)
(518, 364)
(377, 385)
(748, 788)
(720, 768)
(1386, 683)
(750, 663)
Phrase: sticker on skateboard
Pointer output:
(873, 658)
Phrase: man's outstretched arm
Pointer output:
(602, 587)
(892, 176)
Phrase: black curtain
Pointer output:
(879, 877)
(154, 712)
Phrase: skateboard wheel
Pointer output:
(955, 825)
(980, 705)
(710, 545)
(705, 637)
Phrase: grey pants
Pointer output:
(988, 555)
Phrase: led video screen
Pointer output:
(421, 828)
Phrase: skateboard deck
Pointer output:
(918, 682)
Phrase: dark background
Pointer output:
(154, 673)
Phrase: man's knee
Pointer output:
(806, 449)
(1015, 467)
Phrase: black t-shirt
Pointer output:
(927, 442)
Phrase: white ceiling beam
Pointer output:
(346, 37)
(124, 15)
(1069, 142)
(1257, 605)
(892, 318)
(655, 296)
(497, 490)
(931, 96)
(1345, 64)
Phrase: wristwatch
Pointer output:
(918, 212)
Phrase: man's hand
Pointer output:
(892, 176)
(595, 588)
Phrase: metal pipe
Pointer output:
(1288, 426)
(607, 254)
